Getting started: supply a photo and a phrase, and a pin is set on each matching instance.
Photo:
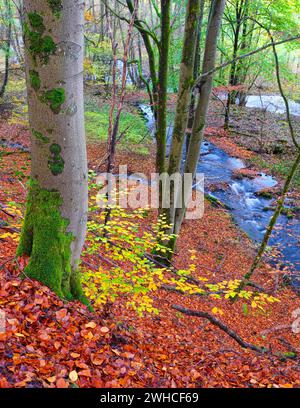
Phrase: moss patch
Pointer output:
(45, 239)
(56, 7)
(39, 46)
(35, 80)
(264, 194)
(37, 22)
(39, 136)
(56, 163)
(54, 98)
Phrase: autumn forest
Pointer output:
(149, 197)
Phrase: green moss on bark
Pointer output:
(56, 163)
(37, 22)
(54, 98)
(39, 46)
(35, 80)
(56, 7)
(45, 239)
(39, 136)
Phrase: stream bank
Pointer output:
(250, 208)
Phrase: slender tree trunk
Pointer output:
(8, 15)
(184, 95)
(140, 54)
(55, 222)
(115, 118)
(233, 77)
(214, 25)
(197, 64)
(242, 67)
(151, 59)
(161, 131)
(16, 43)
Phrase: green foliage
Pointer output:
(54, 98)
(280, 17)
(98, 63)
(133, 127)
(283, 16)
(133, 275)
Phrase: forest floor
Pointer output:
(49, 343)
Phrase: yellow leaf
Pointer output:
(104, 329)
(73, 376)
(19, 335)
(91, 325)
(216, 310)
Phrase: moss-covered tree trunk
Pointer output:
(55, 222)
(184, 96)
(8, 17)
(161, 123)
(205, 89)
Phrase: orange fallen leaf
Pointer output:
(75, 355)
(85, 373)
(44, 336)
(97, 361)
(60, 314)
(61, 383)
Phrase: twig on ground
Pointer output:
(222, 326)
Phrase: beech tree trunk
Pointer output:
(55, 222)
(153, 94)
(239, 24)
(197, 65)
(161, 124)
(184, 95)
(205, 88)
(8, 16)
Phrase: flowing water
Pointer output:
(272, 103)
(250, 212)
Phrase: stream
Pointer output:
(249, 211)
(272, 103)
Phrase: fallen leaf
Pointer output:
(91, 325)
(61, 383)
(73, 376)
(104, 329)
